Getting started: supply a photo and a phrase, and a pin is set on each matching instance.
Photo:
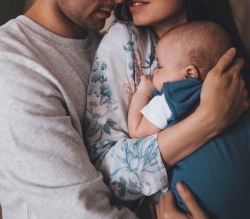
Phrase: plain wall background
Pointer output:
(241, 10)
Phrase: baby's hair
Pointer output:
(200, 43)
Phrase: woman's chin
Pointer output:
(139, 22)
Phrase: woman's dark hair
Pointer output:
(218, 11)
(122, 12)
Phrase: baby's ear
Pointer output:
(191, 72)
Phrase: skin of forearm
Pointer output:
(185, 137)
(138, 101)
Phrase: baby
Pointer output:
(185, 55)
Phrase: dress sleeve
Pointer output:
(131, 167)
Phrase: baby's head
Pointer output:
(189, 50)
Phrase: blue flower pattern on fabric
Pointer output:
(130, 166)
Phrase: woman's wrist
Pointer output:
(182, 139)
(207, 122)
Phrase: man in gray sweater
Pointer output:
(45, 62)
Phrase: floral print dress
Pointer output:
(132, 168)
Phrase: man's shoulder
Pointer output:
(7, 29)
(11, 35)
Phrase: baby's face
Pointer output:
(167, 70)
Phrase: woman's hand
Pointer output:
(223, 99)
(223, 95)
(167, 209)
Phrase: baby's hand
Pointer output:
(146, 85)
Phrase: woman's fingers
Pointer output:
(188, 198)
(236, 66)
(225, 61)
(224, 93)
(167, 209)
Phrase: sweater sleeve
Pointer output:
(132, 167)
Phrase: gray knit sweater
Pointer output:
(45, 171)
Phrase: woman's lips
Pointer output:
(138, 1)
(137, 5)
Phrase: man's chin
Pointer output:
(97, 26)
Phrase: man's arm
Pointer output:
(43, 158)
